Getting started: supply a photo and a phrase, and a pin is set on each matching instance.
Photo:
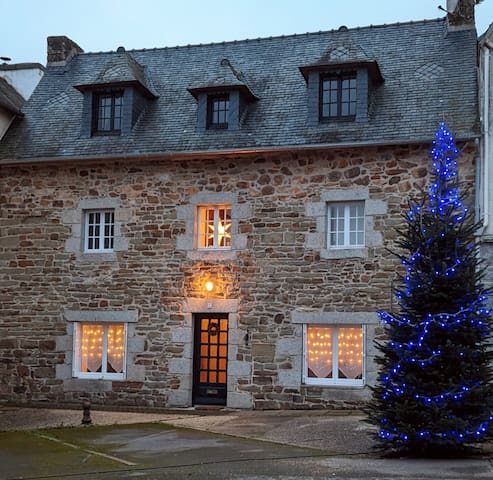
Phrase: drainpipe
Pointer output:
(486, 132)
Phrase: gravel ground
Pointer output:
(15, 418)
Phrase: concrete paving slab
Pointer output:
(152, 450)
(344, 434)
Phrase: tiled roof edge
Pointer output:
(4, 67)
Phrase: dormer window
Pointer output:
(218, 111)
(340, 85)
(337, 97)
(223, 98)
(115, 97)
(107, 111)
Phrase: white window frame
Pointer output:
(102, 237)
(216, 208)
(347, 206)
(335, 381)
(77, 352)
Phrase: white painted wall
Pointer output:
(24, 80)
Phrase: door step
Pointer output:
(214, 408)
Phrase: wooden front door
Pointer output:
(210, 359)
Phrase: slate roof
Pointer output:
(429, 75)
(10, 98)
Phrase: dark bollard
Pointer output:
(86, 416)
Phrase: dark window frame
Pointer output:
(340, 103)
(215, 114)
(112, 112)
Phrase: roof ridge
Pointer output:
(275, 37)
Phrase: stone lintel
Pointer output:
(115, 316)
(216, 305)
(335, 318)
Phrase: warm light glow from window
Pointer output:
(102, 348)
(335, 352)
(214, 227)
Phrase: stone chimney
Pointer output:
(460, 14)
(61, 49)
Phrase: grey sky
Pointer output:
(102, 25)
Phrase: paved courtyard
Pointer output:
(51, 444)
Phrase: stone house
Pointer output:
(209, 224)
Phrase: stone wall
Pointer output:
(277, 275)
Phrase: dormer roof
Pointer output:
(121, 70)
(223, 77)
(344, 53)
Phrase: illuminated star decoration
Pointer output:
(223, 233)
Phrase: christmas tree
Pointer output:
(434, 394)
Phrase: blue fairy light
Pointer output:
(417, 346)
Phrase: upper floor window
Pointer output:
(346, 225)
(214, 226)
(99, 231)
(107, 112)
(337, 97)
(218, 111)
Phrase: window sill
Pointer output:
(104, 134)
(212, 254)
(348, 119)
(338, 384)
(99, 377)
(85, 252)
(337, 253)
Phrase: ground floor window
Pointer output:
(334, 355)
(99, 350)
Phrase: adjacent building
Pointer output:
(485, 163)
(17, 82)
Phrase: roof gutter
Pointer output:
(181, 155)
